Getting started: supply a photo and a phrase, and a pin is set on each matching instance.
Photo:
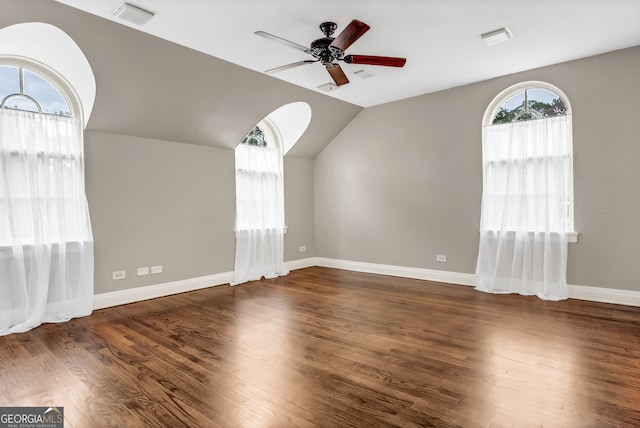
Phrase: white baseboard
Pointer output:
(581, 292)
(138, 294)
(405, 272)
(301, 264)
(122, 297)
(604, 295)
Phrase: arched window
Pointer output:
(526, 101)
(527, 197)
(46, 243)
(259, 205)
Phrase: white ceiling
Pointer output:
(439, 38)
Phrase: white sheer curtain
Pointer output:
(525, 202)
(259, 214)
(46, 245)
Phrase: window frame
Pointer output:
(274, 141)
(505, 95)
(69, 95)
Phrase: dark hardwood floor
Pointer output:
(331, 348)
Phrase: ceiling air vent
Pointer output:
(363, 74)
(497, 36)
(132, 13)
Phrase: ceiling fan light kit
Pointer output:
(328, 50)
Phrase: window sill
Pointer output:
(572, 237)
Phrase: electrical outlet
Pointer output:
(143, 271)
(303, 248)
(120, 274)
(156, 269)
(441, 258)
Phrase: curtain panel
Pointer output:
(46, 243)
(525, 208)
(259, 214)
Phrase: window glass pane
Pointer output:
(255, 137)
(541, 95)
(47, 95)
(21, 103)
(9, 81)
(510, 108)
(514, 101)
(546, 102)
(540, 100)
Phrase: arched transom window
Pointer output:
(265, 134)
(25, 89)
(527, 101)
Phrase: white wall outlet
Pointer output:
(119, 274)
(156, 269)
(143, 271)
(303, 249)
(441, 258)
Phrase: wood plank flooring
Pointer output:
(330, 348)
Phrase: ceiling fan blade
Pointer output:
(283, 41)
(337, 74)
(387, 61)
(292, 65)
(350, 34)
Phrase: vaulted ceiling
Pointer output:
(439, 38)
(195, 73)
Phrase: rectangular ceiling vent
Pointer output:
(134, 14)
(363, 74)
(498, 36)
(328, 87)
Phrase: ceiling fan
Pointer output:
(327, 50)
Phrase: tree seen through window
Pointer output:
(255, 137)
(530, 104)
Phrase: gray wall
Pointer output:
(298, 205)
(403, 181)
(156, 202)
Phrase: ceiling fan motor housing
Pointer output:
(328, 28)
(322, 50)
